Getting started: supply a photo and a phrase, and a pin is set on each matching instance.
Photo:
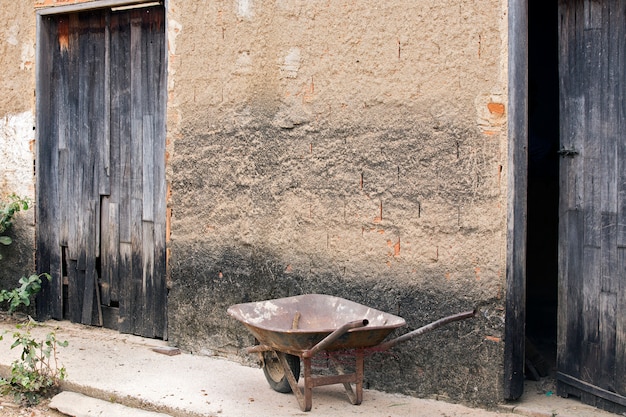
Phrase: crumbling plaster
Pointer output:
(346, 147)
(17, 135)
(433, 69)
(349, 147)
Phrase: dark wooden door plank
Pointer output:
(620, 328)
(47, 214)
(592, 237)
(125, 262)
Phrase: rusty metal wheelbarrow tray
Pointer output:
(296, 324)
(305, 325)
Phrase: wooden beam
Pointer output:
(517, 169)
(92, 5)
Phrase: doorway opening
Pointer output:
(543, 190)
(101, 138)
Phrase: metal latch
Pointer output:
(570, 153)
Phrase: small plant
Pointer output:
(37, 372)
(7, 211)
(29, 286)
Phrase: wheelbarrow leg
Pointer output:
(308, 385)
(356, 398)
(359, 377)
(304, 398)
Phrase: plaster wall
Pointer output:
(354, 148)
(17, 134)
(346, 147)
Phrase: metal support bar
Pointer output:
(304, 399)
(259, 349)
(334, 336)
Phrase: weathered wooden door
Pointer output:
(101, 97)
(592, 229)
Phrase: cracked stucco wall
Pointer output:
(344, 147)
(17, 63)
(338, 146)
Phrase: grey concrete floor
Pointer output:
(125, 370)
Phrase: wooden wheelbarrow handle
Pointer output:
(425, 329)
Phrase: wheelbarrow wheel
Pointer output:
(275, 374)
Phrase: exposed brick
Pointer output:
(496, 108)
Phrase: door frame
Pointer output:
(51, 305)
(517, 189)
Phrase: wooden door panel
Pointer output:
(105, 119)
(592, 205)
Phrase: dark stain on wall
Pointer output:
(365, 213)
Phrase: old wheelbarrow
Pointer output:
(294, 328)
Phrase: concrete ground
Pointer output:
(110, 374)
